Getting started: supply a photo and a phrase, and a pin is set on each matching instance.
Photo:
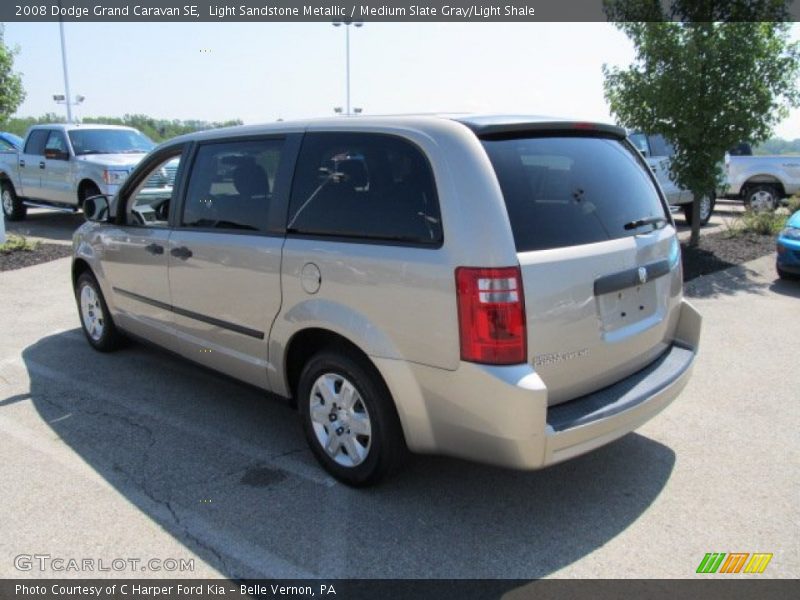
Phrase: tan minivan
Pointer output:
(502, 289)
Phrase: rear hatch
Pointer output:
(597, 250)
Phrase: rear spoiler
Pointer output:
(495, 130)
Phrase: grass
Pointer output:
(17, 243)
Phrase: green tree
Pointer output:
(708, 74)
(11, 92)
(157, 130)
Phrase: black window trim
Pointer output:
(373, 241)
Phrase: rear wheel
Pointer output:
(349, 418)
(707, 203)
(763, 197)
(13, 208)
(98, 326)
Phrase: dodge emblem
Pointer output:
(642, 275)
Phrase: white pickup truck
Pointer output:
(658, 153)
(60, 166)
(762, 181)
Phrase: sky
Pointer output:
(259, 72)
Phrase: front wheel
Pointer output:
(761, 198)
(707, 203)
(13, 208)
(98, 326)
(349, 418)
(87, 191)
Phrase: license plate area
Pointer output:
(628, 306)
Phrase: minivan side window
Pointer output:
(150, 203)
(36, 141)
(364, 186)
(230, 186)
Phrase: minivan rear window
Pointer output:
(568, 191)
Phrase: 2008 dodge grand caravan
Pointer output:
(506, 290)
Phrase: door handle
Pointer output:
(41, 165)
(183, 253)
(155, 249)
(22, 164)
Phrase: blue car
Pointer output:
(788, 263)
(9, 141)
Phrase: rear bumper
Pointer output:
(499, 415)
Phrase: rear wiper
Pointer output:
(646, 221)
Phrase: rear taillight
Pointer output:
(491, 315)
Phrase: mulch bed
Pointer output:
(18, 259)
(717, 252)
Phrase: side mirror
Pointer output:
(56, 154)
(95, 208)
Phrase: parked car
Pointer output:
(788, 247)
(9, 141)
(762, 181)
(504, 290)
(60, 166)
(659, 152)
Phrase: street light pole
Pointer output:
(64, 63)
(347, 67)
(347, 58)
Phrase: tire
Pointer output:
(785, 275)
(96, 321)
(13, 208)
(87, 191)
(762, 197)
(706, 209)
(355, 396)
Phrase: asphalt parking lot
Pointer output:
(141, 455)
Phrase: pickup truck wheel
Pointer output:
(96, 321)
(87, 191)
(760, 198)
(349, 418)
(13, 208)
(707, 203)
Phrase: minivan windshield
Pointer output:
(109, 141)
(567, 191)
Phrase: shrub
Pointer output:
(18, 243)
(758, 223)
